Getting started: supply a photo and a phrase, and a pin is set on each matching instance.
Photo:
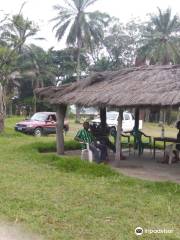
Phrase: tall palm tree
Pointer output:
(14, 33)
(161, 39)
(18, 30)
(81, 28)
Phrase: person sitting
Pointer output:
(172, 150)
(50, 119)
(102, 135)
(84, 136)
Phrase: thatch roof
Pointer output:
(143, 86)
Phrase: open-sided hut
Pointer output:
(142, 87)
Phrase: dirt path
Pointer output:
(147, 168)
(15, 232)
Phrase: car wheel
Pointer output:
(38, 132)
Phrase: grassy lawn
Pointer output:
(154, 130)
(65, 198)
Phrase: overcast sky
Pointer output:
(41, 11)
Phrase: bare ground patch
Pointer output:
(16, 232)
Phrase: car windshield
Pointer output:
(39, 117)
(112, 116)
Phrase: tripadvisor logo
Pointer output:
(138, 231)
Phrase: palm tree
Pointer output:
(36, 65)
(161, 39)
(18, 30)
(161, 42)
(14, 33)
(82, 28)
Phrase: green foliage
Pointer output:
(160, 39)
(66, 63)
(120, 43)
(13, 34)
(18, 30)
(84, 29)
(83, 25)
(102, 64)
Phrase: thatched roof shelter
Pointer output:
(140, 87)
(143, 87)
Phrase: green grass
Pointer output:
(66, 198)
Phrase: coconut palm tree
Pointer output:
(161, 39)
(82, 28)
(18, 30)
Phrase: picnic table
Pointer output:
(164, 140)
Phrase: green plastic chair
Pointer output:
(139, 144)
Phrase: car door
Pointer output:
(127, 122)
(51, 124)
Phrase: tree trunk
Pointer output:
(2, 108)
(161, 116)
(10, 108)
(78, 70)
(34, 104)
(61, 112)
(147, 114)
(167, 115)
(1, 122)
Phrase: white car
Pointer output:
(112, 121)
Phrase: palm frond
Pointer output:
(87, 3)
(61, 30)
(73, 33)
(70, 4)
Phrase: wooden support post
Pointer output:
(136, 125)
(161, 116)
(103, 117)
(178, 114)
(60, 114)
(118, 136)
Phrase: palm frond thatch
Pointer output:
(143, 86)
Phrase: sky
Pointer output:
(41, 11)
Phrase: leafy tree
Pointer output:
(37, 69)
(13, 34)
(103, 63)
(120, 46)
(161, 39)
(66, 62)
